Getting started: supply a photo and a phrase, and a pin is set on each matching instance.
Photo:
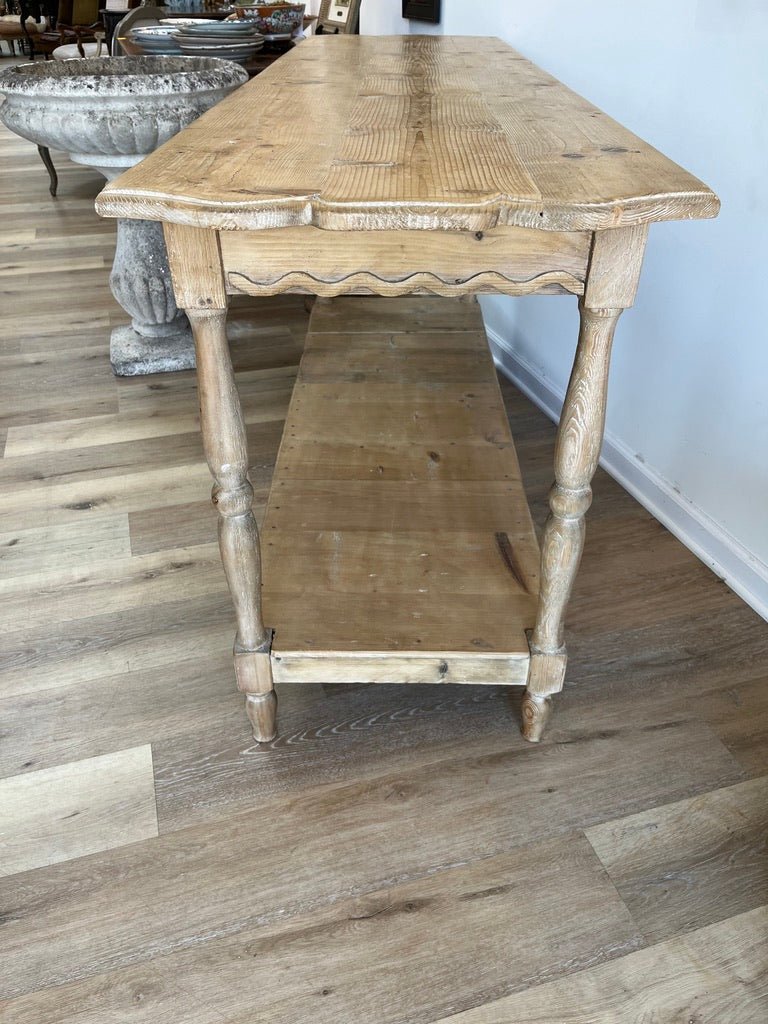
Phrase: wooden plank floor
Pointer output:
(398, 854)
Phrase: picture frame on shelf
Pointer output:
(338, 17)
(422, 10)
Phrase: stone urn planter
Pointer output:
(109, 113)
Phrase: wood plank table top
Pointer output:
(415, 132)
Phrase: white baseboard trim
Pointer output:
(745, 574)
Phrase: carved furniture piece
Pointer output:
(70, 24)
(21, 22)
(51, 24)
(338, 16)
(398, 543)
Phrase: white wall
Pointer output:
(312, 7)
(383, 18)
(687, 424)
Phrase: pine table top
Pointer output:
(406, 132)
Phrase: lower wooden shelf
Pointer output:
(397, 544)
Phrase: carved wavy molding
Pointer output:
(364, 282)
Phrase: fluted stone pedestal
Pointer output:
(159, 337)
(109, 113)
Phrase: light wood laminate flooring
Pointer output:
(398, 854)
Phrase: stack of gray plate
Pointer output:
(155, 39)
(232, 40)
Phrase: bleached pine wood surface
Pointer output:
(398, 545)
(416, 132)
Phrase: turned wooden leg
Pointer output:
(577, 451)
(225, 450)
(615, 260)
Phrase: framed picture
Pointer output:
(422, 10)
(337, 16)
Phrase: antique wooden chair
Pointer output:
(17, 26)
(63, 23)
(11, 32)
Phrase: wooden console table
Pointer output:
(399, 547)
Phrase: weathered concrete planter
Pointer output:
(109, 113)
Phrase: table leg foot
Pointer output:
(536, 711)
(253, 670)
(262, 712)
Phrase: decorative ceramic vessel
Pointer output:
(109, 113)
(275, 21)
